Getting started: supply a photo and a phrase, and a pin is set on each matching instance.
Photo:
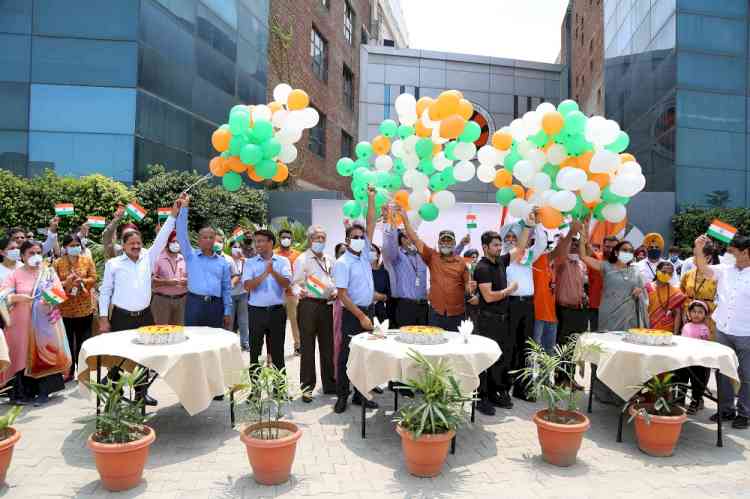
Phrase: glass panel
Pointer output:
(164, 78)
(660, 12)
(150, 153)
(725, 74)
(251, 28)
(711, 149)
(184, 9)
(211, 103)
(15, 57)
(80, 109)
(170, 38)
(711, 111)
(695, 184)
(259, 8)
(226, 10)
(81, 154)
(319, 54)
(348, 23)
(317, 143)
(215, 68)
(89, 62)
(14, 102)
(16, 16)
(718, 7)
(348, 87)
(712, 34)
(161, 122)
(200, 141)
(249, 89)
(666, 38)
(111, 19)
(216, 33)
(347, 145)
(13, 153)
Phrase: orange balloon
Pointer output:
(600, 178)
(465, 109)
(529, 193)
(220, 139)
(218, 166)
(584, 160)
(434, 112)
(436, 148)
(236, 165)
(457, 93)
(626, 156)
(253, 176)
(298, 99)
(503, 178)
(502, 140)
(591, 205)
(452, 126)
(275, 106)
(381, 145)
(552, 123)
(421, 130)
(422, 104)
(447, 104)
(518, 190)
(569, 161)
(402, 199)
(282, 172)
(550, 217)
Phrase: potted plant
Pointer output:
(121, 440)
(270, 442)
(549, 377)
(658, 417)
(429, 422)
(9, 436)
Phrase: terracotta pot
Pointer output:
(426, 455)
(560, 442)
(659, 438)
(6, 451)
(120, 466)
(271, 460)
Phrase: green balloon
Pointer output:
(352, 209)
(345, 167)
(239, 122)
(382, 179)
(551, 170)
(428, 212)
(271, 148)
(575, 122)
(598, 211)
(394, 183)
(360, 174)
(381, 198)
(251, 154)
(231, 181)
(620, 144)
(567, 106)
(398, 167)
(438, 182)
(610, 197)
(426, 166)
(577, 145)
(363, 150)
(263, 130)
(511, 159)
(389, 128)
(236, 143)
(471, 132)
(448, 150)
(237, 108)
(405, 131)
(424, 148)
(360, 192)
(539, 139)
(448, 176)
(362, 163)
(266, 168)
(504, 196)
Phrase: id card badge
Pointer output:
(417, 282)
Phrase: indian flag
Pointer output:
(163, 213)
(54, 296)
(64, 210)
(471, 221)
(96, 222)
(528, 258)
(238, 235)
(315, 286)
(721, 231)
(136, 211)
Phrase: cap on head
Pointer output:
(446, 234)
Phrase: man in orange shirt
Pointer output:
(291, 295)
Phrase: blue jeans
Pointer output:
(545, 333)
(240, 318)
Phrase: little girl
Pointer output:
(697, 328)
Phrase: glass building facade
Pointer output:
(111, 86)
(676, 78)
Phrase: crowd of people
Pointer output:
(521, 285)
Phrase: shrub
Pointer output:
(692, 222)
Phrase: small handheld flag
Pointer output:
(721, 231)
(136, 211)
(238, 235)
(95, 222)
(315, 287)
(471, 221)
(64, 210)
(163, 213)
(54, 296)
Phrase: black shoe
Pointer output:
(740, 423)
(369, 404)
(40, 400)
(378, 390)
(307, 398)
(340, 405)
(485, 407)
(219, 398)
(725, 416)
(695, 406)
(501, 400)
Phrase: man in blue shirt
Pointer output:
(209, 299)
(352, 274)
(265, 278)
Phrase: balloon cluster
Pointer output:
(567, 165)
(414, 160)
(259, 140)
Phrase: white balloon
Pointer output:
(571, 178)
(408, 118)
(383, 163)
(524, 148)
(410, 144)
(519, 208)
(290, 134)
(595, 128)
(414, 218)
(614, 212)
(426, 121)
(538, 158)
(518, 130)
(411, 161)
(397, 148)
(463, 171)
(436, 138)
(628, 185)
(440, 162)
(609, 132)
(310, 117)
(546, 197)
(465, 150)
(444, 199)
(556, 153)
(604, 161)
(590, 191)
(262, 112)
(532, 121)
(563, 200)
(545, 107)
(501, 156)
(408, 177)
(279, 118)
(487, 155)
(406, 104)
(524, 171)
(417, 198)
(281, 93)
(420, 180)
(288, 153)
(629, 167)
(541, 182)
(486, 173)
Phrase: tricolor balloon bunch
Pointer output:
(566, 165)
(426, 151)
(259, 140)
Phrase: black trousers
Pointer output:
(447, 322)
(269, 323)
(199, 312)
(315, 318)
(571, 321)
(78, 330)
(411, 313)
(122, 319)
(594, 318)
(495, 327)
(521, 325)
(350, 327)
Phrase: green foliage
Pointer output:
(692, 222)
(260, 398)
(121, 420)
(438, 406)
(7, 420)
(663, 392)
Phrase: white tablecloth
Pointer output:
(197, 369)
(623, 365)
(373, 362)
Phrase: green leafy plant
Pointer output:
(121, 419)
(7, 420)
(663, 393)
(438, 405)
(691, 222)
(261, 397)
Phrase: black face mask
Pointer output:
(653, 253)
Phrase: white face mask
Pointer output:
(357, 245)
(729, 259)
(174, 247)
(34, 260)
(625, 257)
(14, 254)
(74, 250)
(318, 247)
(236, 252)
(286, 242)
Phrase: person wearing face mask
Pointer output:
(169, 284)
(78, 275)
(664, 300)
(49, 247)
(654, 245)
(11, 257)
(291, 295)
(571, 301)
(111, 247)
(596, 282)
(239, 296)
(698, 286)
(83, 236)
(674, 257)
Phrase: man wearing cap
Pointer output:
(654, 245)
(449, 277)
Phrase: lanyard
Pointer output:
(325, 268)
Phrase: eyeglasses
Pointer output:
(356, 237)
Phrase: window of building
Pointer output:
(317, 143)
(348, 87)
(348, 23)
(319, 54)
(347, 145)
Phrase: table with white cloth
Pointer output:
(624, 366)
(376, 360)
(197, 369)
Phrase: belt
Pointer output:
(269, 307)
(521, 298)
(316, 300)
(573, 307)
(416, 302)
(171, 297)
(206, 298)
(138, 313)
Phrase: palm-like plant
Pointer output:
(261, 397)
(7, 419)
(438, 405)
(121, 419)
(664, 392)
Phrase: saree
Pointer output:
(664, 305)
(48, 352)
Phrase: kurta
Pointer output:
(17, 334)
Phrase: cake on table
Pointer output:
(160, 335)
(644, 336)
(421, 335)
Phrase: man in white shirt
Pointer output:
(313, 276)
(732, 317)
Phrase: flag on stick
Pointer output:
(136, 211)
(238, 235)
(471, 221)
(54, 296)
(96, 222)
(721, 231)
(315, 287)
(64, 209)
(163, 213)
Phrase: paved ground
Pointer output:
(499, 456)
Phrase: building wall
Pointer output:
(391, 24)
(292, 63)
(587, 55)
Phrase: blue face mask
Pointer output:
(74, 250)
(318, 247)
